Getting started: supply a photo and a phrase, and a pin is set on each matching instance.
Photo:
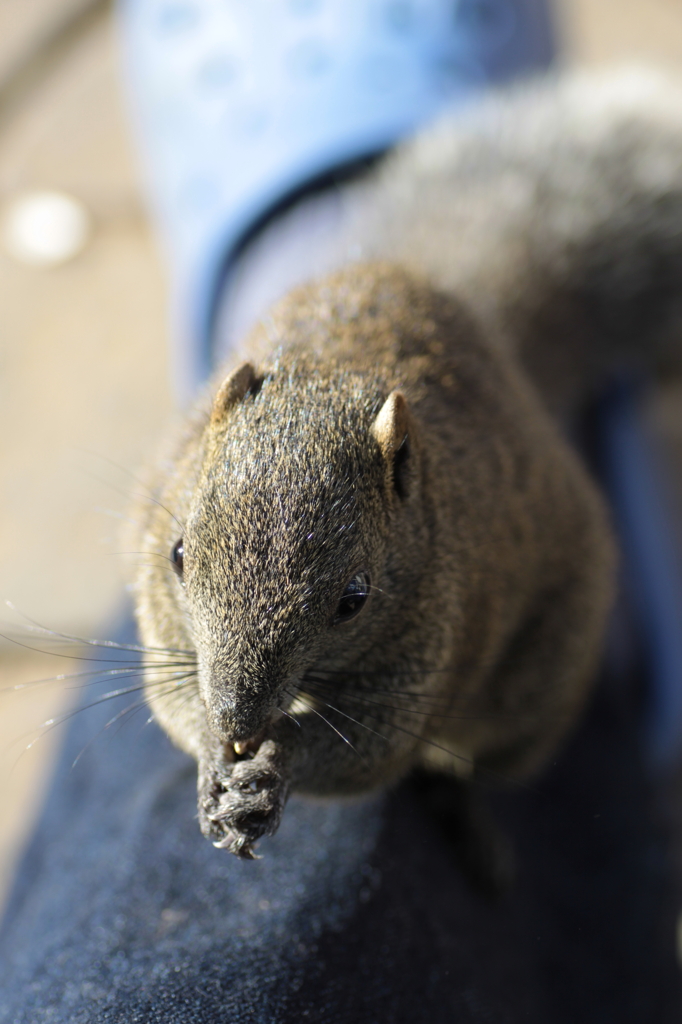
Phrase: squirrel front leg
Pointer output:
(241, 800)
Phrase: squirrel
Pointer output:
(377, 549)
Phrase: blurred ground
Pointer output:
(83, 374)
(82, 370)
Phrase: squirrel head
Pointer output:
(288, 554)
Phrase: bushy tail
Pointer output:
(555, 210)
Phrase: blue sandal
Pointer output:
(241, 106)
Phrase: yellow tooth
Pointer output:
(240, 748)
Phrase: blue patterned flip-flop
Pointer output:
(241, 103)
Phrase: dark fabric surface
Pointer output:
(357, 912)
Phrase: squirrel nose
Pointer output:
(233, 721)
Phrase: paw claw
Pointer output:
(223, 844)
(239, 846)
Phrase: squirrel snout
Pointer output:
(236, 721)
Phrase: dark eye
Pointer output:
(178, 556)
(353, 598)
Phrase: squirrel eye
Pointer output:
(353, 598)
(177, 556)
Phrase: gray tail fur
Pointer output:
(555, 210)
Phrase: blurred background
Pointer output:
(84, 381)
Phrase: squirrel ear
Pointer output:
(391, 429)
(232, 390)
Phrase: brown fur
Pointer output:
(388, 432)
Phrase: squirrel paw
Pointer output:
(242, 801)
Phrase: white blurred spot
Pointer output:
(45, 228)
